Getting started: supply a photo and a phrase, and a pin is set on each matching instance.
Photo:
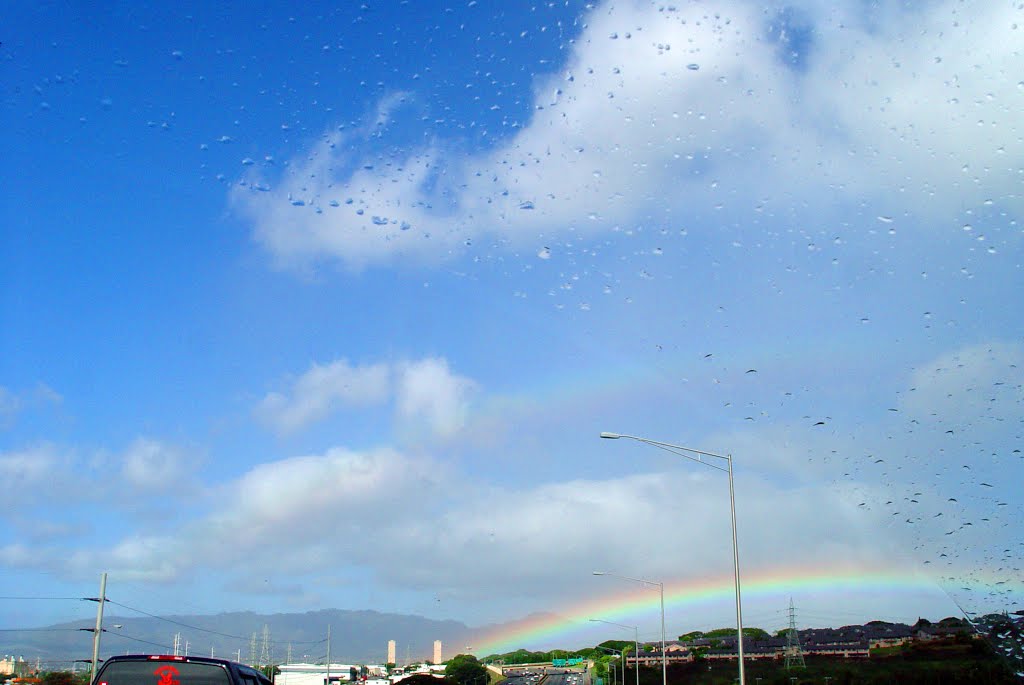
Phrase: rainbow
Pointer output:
(693, 595)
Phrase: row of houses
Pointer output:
(846, 642)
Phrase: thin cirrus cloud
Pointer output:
(688, 108)
(425, 392)
(12, 404)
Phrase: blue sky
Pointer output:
(293, 296)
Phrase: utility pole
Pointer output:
(328, 655)
(794, 654)
(265, 652)
(99, 625)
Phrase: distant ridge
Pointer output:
(357, 636)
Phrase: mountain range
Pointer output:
(356, 637)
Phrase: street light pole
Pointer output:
(681, 451)
(661, 590)
(636, 648)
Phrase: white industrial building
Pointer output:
(317, 674)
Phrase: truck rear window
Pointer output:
(163, 673)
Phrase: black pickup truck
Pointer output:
(147, 669)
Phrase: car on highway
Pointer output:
(153, 669)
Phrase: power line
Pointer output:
(177, 623)
(137, 639)
(37, 630)
(41, 597)
(203, 630)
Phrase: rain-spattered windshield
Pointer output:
(308, 306)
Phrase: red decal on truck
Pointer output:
(165, 675)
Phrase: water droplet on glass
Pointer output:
(544, 253)
(885, 219)
(693, 66)
(526, 205)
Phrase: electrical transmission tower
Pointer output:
(265, 651)
(177, 644)
(794, 655)
(252, 651)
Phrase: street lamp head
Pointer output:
(610, 436)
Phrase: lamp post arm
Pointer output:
(616, 436)
(678, 450)
(636, 580)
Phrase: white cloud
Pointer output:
(324, 389)
(32, 468)
(538, 543)
(380, 509)
(296, 515)
(426, 394)
(962, 385)
(687, 110)
(17, 555)
(149, 465)
(428, 391)
(397, 520)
